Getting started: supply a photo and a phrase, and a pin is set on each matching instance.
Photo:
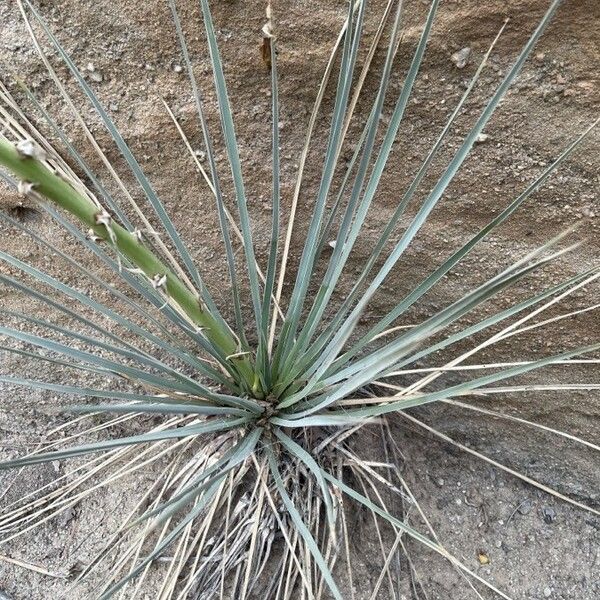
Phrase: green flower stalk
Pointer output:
(25, 161)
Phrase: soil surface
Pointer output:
(537, 546)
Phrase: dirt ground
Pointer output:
(538, 546)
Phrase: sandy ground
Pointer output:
(538, 547)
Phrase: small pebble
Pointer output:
(588, 212)
(548, 514)
(177, 68)
(525, 507)
(94, 75)
(461, 58)
(481, 138)
(65, 517)
(547, 592)
(473, 498)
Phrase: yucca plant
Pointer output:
(254, 467)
